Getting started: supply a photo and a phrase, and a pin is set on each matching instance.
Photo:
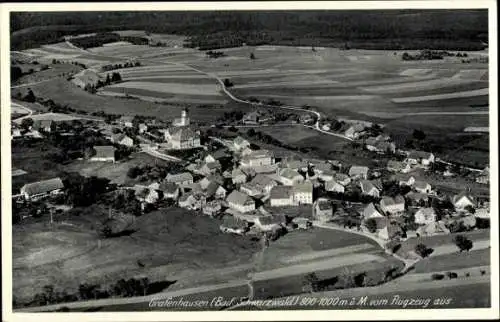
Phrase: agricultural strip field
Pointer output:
(454, 261)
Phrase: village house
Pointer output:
(183, 178)
(240, 143)
(215, 191)
(182, 138)
(191, 201)
(302, 223)
(327, 175)
(44, 126)
(422, 187)
(432, 228)
(170, 190)
(425, 216)
(246, 151)
(206, 181)
(397, 166)
(251, 118)
(294, 164)
(303, 193)
(212, 208)
(237, 176)
(462, 200)
(484, 176)
(343, 179)
(334, 186)
(143, 128)
(289, 177)
(207, 168)
(103, 153)
(393, 206)
(240, 201)
(354, 131)
(370, 212)
(267, 169)
(322, 167)
(281, 196)
(416, 198)
(257, 158)
(40, 189)
(323, 210)
(369, 189)
(15, 132)
(144, 194)
(356, 172)
(122, 139)
(420, 157)
(260, 184)
(390, 231)
(234, 225)
(126, 121)
(270, 223)
(405, 180)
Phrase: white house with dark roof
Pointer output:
(420, 157)
(281, 196)
(289, 177)
(303, 193)
(104, 153)
(369, 189)
(240, 201)
(238, 176)
(40, 189)
(183, 178)
(358, 172)
(257, 158)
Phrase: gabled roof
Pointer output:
(40, 124)
(272, 220)
(237, 172)
(262, 180)
(416, 196)
(43, 186)
(323, 166)
(168, 187)
(104, 151)
(126, 118)
(324, 205)
(357, 170)
(426, 212)
(119, 137)
(240, 141)
(367, 186)
(419, 155)
(331, 183)
(240, 198)
(420, 184)
(389, 201)
(178, 177)
(289, 173)
(304, 187)
(294, 164)
(371, 212)
(281, 192)
(229, 221)
(462, 195)
(212, 188)
(182, 133)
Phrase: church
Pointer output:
(180, 136)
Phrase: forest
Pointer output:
(374, 29)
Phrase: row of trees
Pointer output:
(114, 78)
(432, 55)
(111, 67)
(462, 242)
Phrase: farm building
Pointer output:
(257, 158)
(415, 198)
(422, 186)
(233, 225)
(240, 143)
(289, 177)
(44, 125)
(122, 139)
(281, 196)
(104, 153)
(126, 121)
(420, 157)
(144, 194)
(343, 179)
(371, 212)
(142, 128)
(393, 206)
(40, 189)
(86, 77)
(354, 131)
(390, 231)
(358, 172)
(294, 164)
(323, 210)
(240, 201)
(397, 166)
(170, 190)
(183, 178)
(369, 189)
(212, 208)
(303, 193)
(334, 186)
(463, 200)
(425, 216)
(191, 201)
(270, 223)
(238, 176)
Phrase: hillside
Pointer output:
(389, 29)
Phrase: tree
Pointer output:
(418, 135)
(251, 132)
(30, 97)
(15, 73)
(470, 209)
(227, 83)
(252, 56)
(310, 283)
(108, 80)
(371, 225)
(463, 243)
(26, 123)
(422, 250)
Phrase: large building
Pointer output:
(182, 138)
(40, 189)
(183, 120)
(257, 158)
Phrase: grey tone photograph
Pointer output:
(250, 160)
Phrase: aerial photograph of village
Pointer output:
(250, 160)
